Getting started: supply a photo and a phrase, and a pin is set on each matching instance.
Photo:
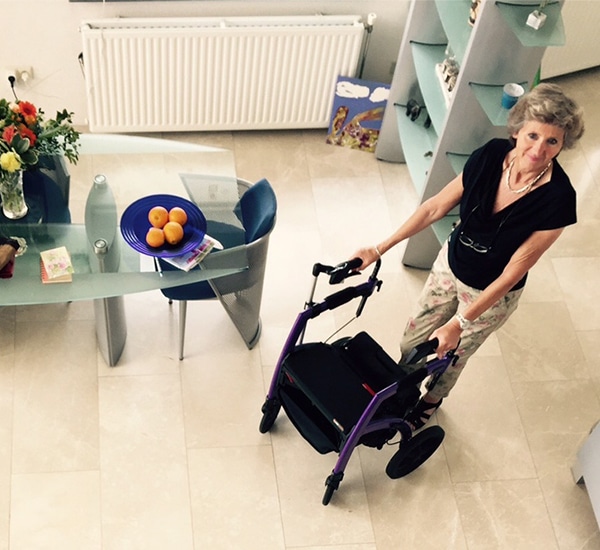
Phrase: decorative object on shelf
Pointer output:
(413, 111)
(537, 18)
(511, 93)
(24, 136)
(450, 69)
(11, 194)
(475, 5)
(358, 107)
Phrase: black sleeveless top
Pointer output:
(550, 206)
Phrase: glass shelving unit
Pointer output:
(551, 34)
(489, 97)
(418, 144)
(454, 17)
(457, 161)
(426, 57)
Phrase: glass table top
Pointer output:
(134, 168)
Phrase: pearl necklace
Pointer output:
(527, 187)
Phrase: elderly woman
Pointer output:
(514, 200)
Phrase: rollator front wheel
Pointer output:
(270, 410)
(414, 452)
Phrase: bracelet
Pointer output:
(378, 253)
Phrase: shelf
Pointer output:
(426, 57)
(455, 20)
(444, 227)
(489, 97)
(418, 144)
(551, 34)
(457, 161)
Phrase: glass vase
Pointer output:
(11, 194)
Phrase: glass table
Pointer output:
(105, 266)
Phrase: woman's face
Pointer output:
(537, 143)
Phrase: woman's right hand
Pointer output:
(368, 255)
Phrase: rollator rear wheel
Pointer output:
(414, 452)
(270, 410)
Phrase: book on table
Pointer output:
(56, 265)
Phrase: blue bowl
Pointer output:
(135, 225)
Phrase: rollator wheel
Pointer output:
(331, 484)
(414, 452)
(329, 490)
(270, 410)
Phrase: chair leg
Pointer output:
(182, 315)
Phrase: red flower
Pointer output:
(29, 112)
(25, 132)
(9, 133)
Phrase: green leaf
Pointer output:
(20, 145)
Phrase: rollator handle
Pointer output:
(344, 270)
(422, 351)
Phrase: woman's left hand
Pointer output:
(448, 336)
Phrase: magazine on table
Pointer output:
(191, 259)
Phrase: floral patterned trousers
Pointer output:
(442, 297)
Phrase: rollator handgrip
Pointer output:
(422, 351)
(344, 270)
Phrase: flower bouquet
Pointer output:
(25, 136)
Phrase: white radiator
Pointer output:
(240, 73)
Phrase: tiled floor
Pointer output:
(161, 454)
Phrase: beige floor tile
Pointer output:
(542, 283)
(6, 426)
(547, 350)
(417, 511)
(557, 417)
(235, 503)
(55, 426)
(578, 279)
(589, 344)
(485, 439)
(505, 514)
(301, 473)
(55, 510)
(144, 475)
(222, 396)
(278, 156)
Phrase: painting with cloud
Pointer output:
(358, 107)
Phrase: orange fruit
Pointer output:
(158, 216)
(155, 237)
(173, 232)
(178, 214)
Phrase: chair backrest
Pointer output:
(55, 167)
(258, 208)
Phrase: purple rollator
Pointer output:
(351, 392)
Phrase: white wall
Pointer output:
(44, 34)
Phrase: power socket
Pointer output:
(20, 75)
(24, 74)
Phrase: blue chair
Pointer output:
(241, 293)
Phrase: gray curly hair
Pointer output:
(548, 104)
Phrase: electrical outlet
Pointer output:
(24, 74)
